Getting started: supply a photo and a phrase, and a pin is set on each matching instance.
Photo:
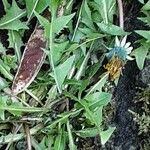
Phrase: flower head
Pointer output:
(121, 50)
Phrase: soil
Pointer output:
(126, 136)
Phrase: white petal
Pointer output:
(129, 58)
(117, 42)
(123, 42)
(127, 45)
(129, 50)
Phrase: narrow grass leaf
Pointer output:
(15, 137)
(5, 70)
(63, 118)
(15, 108)
(87, 132)
(72, 146)
(3, 100)
(60, 140)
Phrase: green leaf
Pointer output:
(3, 83)
(107, 9)
(98, 99)
(15, 41)
(52, 94)
(2, 49)
(90, 33)
(5, 4)
(53, 5)
(141, 1)
(98, 117)
(3, 100)
(60, 140)
(11, 19)
(45, 23)
(146, 6)
(86, 16)
(16, 137)
(73, 47)
(140, 55)
(88, 132)
(63, 118)
(58, 24)
(59, 48)
(145, 34)
(16, 105)
(90, 114)
(36, 145)
(35, 5)
(72, 146)
(145, 20)
(61, 22)
(105, 135)
(5, 70)
(98, 86)
(62, 71)
(111, 29)
(15, 108)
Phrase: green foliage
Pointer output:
(57, 26)
(141, 52)
(111, 29)
(2, 49)
(62, 71)
(35, 5)
(5, 66)
(145, 34)
(140, 55)
(106, 9)
(11, 19)
(105, 135)
(66, 100)
(15, 42)
(146, 6)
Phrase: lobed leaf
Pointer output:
(11, 20)
(140, 55)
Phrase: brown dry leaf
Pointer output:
(32, 60)
(33, 57)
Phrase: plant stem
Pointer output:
(121, 17)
